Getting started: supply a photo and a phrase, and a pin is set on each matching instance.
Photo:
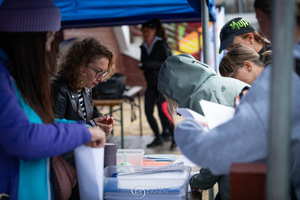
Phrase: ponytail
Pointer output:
(266, 58)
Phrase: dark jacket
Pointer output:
(66, 103)
(151, 63)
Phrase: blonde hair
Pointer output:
(240, 53)
(172, 105)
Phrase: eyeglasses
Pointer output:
(241, 65)
(99, 73)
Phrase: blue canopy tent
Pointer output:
(93, 13)
(97, 13)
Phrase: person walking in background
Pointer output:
(154, 51)
(243, 63)
(29, 134)
(239, 31)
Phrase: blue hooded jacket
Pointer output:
(21, 139)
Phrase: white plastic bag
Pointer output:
(89, 166)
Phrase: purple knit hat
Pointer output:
(29, 16)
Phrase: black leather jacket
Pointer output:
(66, 103)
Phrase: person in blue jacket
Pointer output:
(244, 138)
(29, 134)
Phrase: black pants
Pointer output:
(154, 97)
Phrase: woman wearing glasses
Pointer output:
(244, 64)
(80, 68)
(85, 64)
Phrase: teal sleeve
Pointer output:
(63, 120)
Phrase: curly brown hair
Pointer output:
(72, 63)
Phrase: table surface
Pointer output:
(134, 90)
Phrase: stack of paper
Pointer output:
(215, 114)
(89, 166)
(168, 182)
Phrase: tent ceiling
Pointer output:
(96, 13)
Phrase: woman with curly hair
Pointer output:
(80, 68)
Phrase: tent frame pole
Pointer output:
(278, 164)
(205, 30)
(206, 56)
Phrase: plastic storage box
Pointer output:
(128, 157)
(146, 182)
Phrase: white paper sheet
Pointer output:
(188, 113)
(216, 114)
(185, 160)
(89, 166)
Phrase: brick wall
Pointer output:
(124, 64)
(103, 34)
(134, 75)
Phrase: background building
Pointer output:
(184, 37)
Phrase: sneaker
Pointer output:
(173, 146)
(155, 142)
(166, 136)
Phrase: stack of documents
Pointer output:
(146, 182)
